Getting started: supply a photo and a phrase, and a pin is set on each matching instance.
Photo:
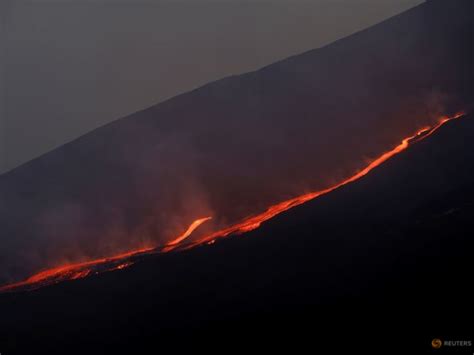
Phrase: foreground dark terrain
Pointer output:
(385, 261)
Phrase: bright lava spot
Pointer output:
(186, 234)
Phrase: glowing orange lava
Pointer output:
(121, 261)
(253, 222)
(75, 271)
(188, 232)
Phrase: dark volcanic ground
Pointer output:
(381, 264)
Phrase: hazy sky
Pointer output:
(69, 66)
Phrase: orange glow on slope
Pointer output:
(121, 261)
(75, 271)
(80, 270)
(253, 222)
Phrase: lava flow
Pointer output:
(76, 271)
(250, 223)
(186, 234)
(121, 261)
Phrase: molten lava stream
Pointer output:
(121, 261)
(186, 234)
(253, 222)
(76, 271)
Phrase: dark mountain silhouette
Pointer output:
(385, 258)
(233, 147)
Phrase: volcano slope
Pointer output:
(390, 252)
(236, 146)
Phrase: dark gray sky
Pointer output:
(70, 66)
